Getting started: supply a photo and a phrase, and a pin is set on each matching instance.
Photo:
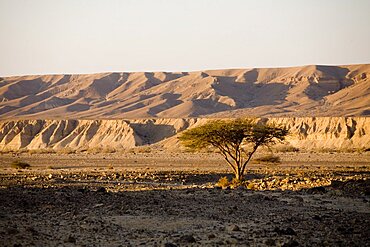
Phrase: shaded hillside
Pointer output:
(297, 91)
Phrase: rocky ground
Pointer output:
(171, 200)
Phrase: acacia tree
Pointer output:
(237, 140)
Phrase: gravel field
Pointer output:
(170, 199)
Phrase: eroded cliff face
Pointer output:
(327, 132)
(305, 133)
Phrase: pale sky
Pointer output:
(87, 36)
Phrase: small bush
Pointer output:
(340, 150)
(97, 150)
(41, 151)
(20, 165)
(66, 151)
(109, 150)
(22, 151)
(236, 183)
(223, 182)
(268, 159)
(142, 149)
(251, 186)
(52, 167)
(286, 149)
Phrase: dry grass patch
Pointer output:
(20, 165)
(268, 159)
(285, 149)
(65, 151)
(97, 150)
(42, 151)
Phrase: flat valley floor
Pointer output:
(170, 199)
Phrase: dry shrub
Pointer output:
(93, 150)
(188, 150)
(20, 165)
(143, 149)
(97, 150)
(234, 183)
(22, 151)
(42, 151)
(223, 182)
(66, 151)
(339, 150)
(268, 159)
(5, 151)
(109, 150)
(285, 148)
(251, 186)
(8, 150)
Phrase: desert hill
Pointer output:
(273, 92)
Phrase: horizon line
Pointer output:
(184, 71)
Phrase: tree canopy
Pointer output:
(237, 140)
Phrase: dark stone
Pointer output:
(291, 243)
(101, 190)
(12, 231)
(187, 239)
(345, 230)
(317, 190)
(234, 228)
(336, 184)
(32, 230)
(82, 190)
(317, 217)
(270, 242)
(170, 245)
(288, 231)
(211, 236)
(70, 239)
(367, 191)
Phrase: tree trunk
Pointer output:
(238, 173)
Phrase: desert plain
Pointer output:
(107, 168)
(172, 199)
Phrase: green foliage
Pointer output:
(20, 165)
(237, 140)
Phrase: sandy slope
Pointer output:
(296, 91)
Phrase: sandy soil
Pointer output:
(164, 199)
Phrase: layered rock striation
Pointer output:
(307, 133)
